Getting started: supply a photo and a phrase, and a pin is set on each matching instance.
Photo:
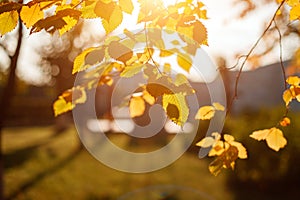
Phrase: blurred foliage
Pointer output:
(265, 170)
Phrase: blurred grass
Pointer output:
(40, 165)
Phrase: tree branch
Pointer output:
(235, 96)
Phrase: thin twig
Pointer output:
(281, 65)
(249, 54)
(280, 54)
(147, 46)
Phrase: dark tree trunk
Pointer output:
(6, 98)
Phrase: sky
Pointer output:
(227, 35)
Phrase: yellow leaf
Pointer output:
(70, 23)
(241, 149)
(87, 10)
(184, 61)
(218, 149)
(199, 33)
(291, 2)
(132, 70)
(218, 106)
(176, 107)
(287, 97)
(61, 106)
(205, 113)
(293, 80)
(114, 21)
(165, 53)
(206, 142)
(136, 106)
(167, 67)
(8, 21)
(275, 139)
(80, 61)
(228, 138)
(148, 98)
(295, 12)
(260, 135)
(31, 14)
(68, 100)
(126, 6)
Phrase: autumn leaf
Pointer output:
(31, 14)
(226, 160)
(293, 92)
(205, 113)
(131, 70)
(273, 136)
(104, 9)
(176, 107)
(208, 112)
(87, 58)
(119, 51)
(126, 6)
(136, 106)
(69, 99)
(184, 61)
(114, 20)
(63, 21)
(8, 21)
(147, 97)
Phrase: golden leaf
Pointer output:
(88, 10)
(80, 61)
(8, 21)
(274, 137)
(136, 106)
(126, 6)
(287, 97)
(68, 100)
(131, 70)
(31, 14)
(114, 21)
(184, 61)
(293, 80)
(205, 113)
(148, 98)
(176, 107)
(295, 12)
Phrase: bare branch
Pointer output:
(235, 96)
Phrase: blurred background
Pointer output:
(42, 155)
